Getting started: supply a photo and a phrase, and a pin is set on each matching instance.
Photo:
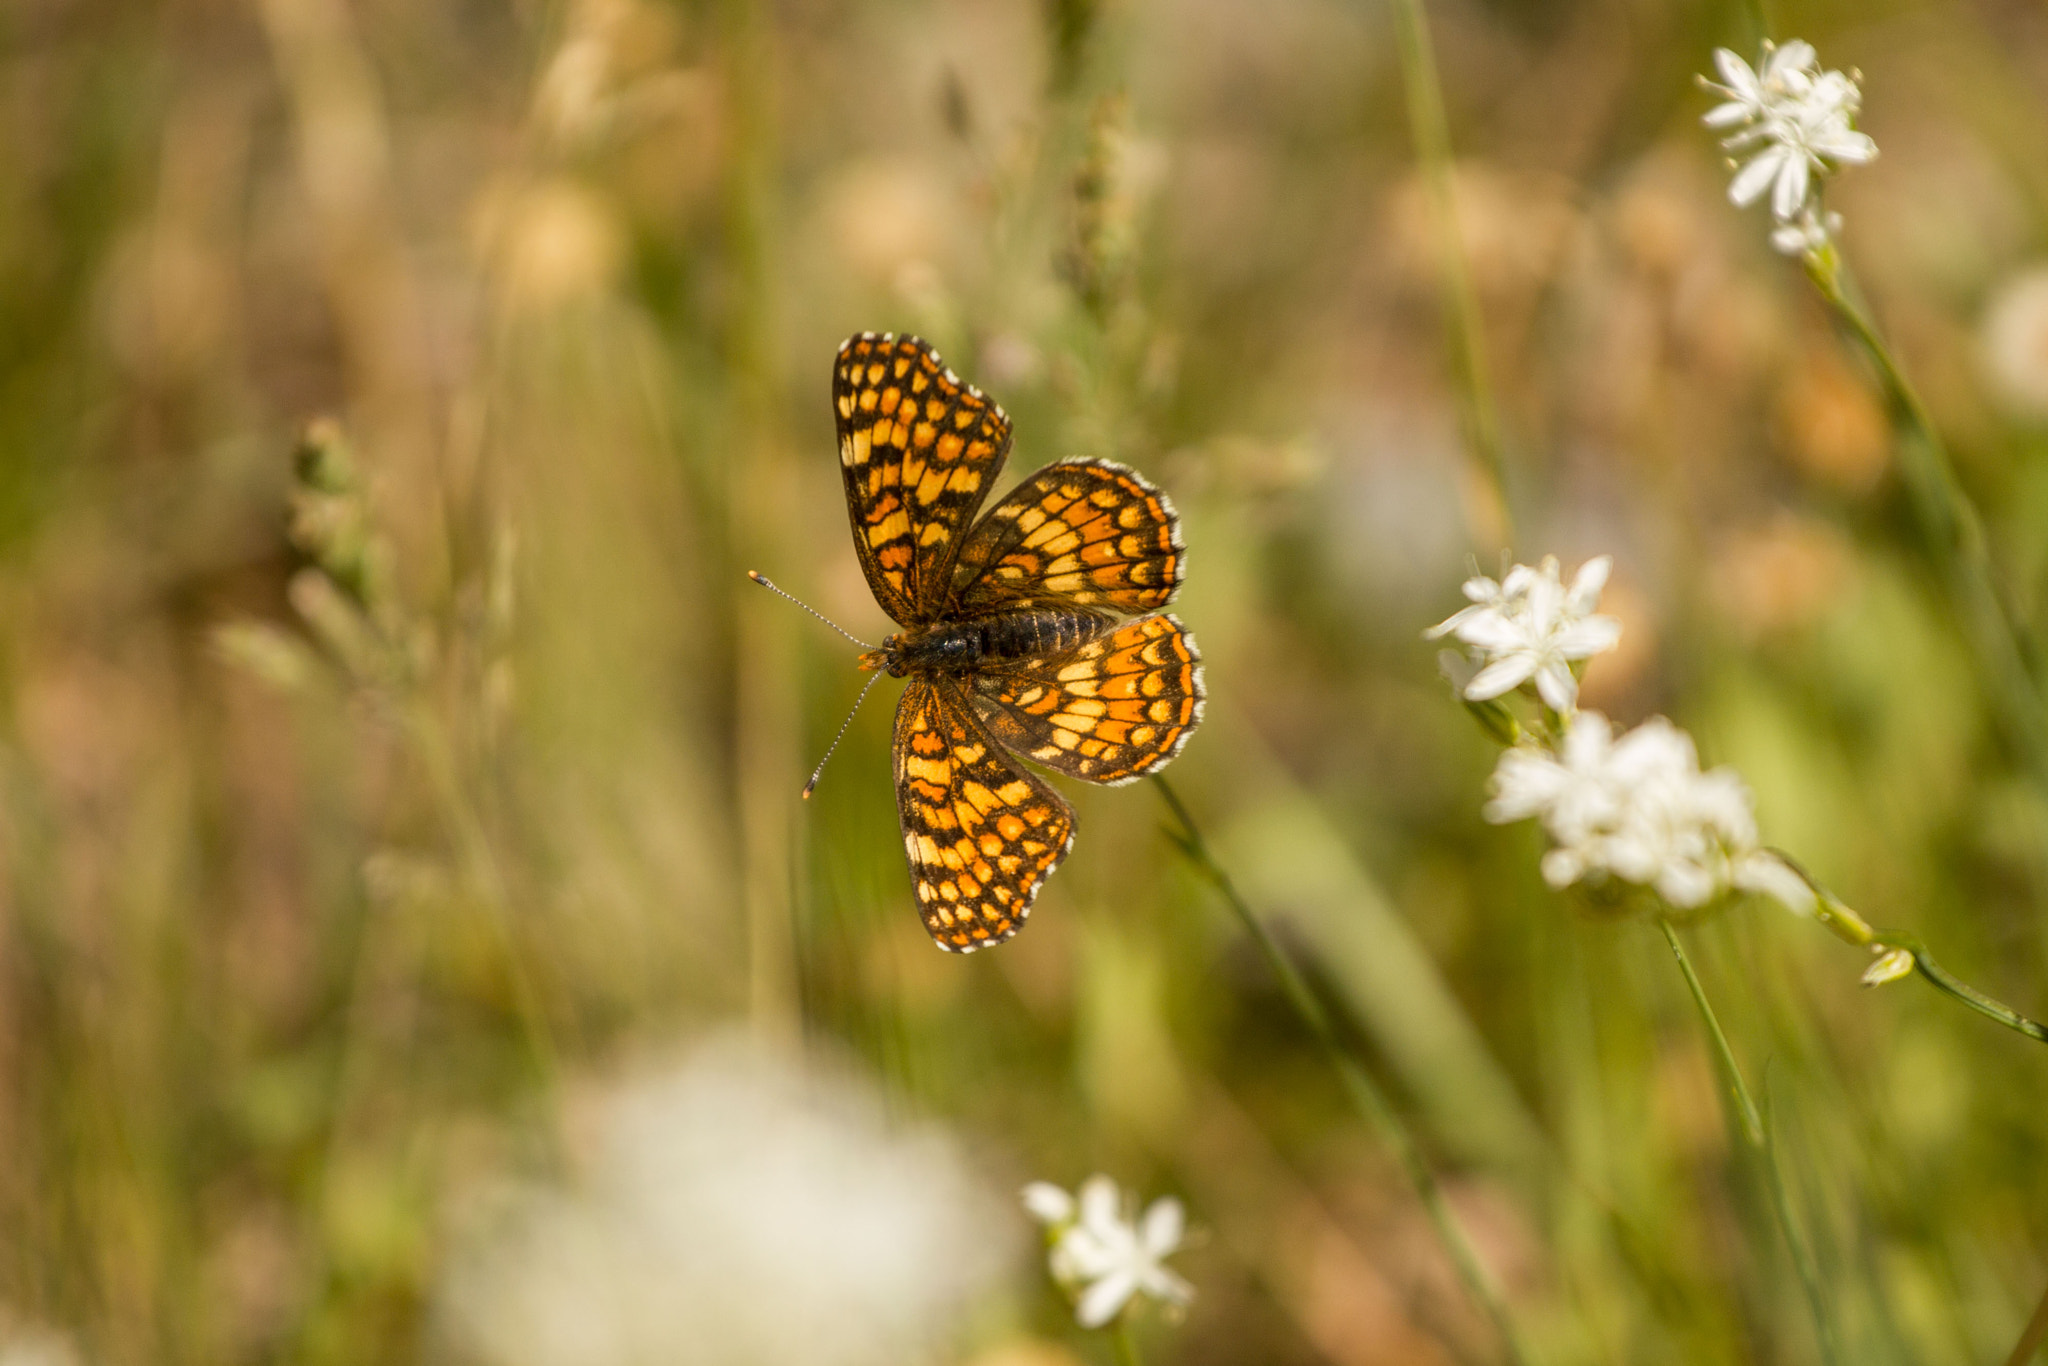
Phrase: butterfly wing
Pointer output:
(1086, 532)
(1109, 711)
(918, 448)
(982, 834)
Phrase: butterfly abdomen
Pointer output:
(1023, 635)
(961, 646)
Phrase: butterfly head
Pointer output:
(888, 659)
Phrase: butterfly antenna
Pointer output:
(763, 581)
(819, 771)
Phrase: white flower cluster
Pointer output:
(1639, 809)
(747, 1205)
(1635, 808)
(1103, 1256)
(1529, 626)
(1796, 123)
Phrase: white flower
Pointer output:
(1640, 810)
(1530, 626)
(1102, 1256)
(743, 1207)
(1753, 95)
(1808, 234)
(1800, 119)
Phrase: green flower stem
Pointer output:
(1431, 132)
(1124, 1343)
(1757, 1135)
(1852, 928)
(2032, 1336)
(1952, 526)
(1939, 978)
(1359, 1086)
(1731, 1075)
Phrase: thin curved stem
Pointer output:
(1364, 1093)
(1124, 1344)
(1756, 1134)
(1432, 136)
(1942, 980)
(1731, 1074)
(1845, 924)
(1953, 528)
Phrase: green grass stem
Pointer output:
(1756, 1134)
(1364, 1093)
(1953, 528)
(1843, 921)
(1430, 130)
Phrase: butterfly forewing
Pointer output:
(918, 449)
(1112, 710)
(982, 835)
(1089, 532)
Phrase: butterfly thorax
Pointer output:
(963, 646)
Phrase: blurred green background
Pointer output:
(374, 808)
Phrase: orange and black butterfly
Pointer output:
(1010, 638)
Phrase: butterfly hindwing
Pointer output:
(1109, 711)
(918, 449)
(982, 835)
(1088, 532)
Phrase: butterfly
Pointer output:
(1010, 635)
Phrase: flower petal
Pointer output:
(1789, 194)
(1103, 1300)
(1586, 637)
(1160, 1233)
(1764, 872)
(1795, 56)
(1737, 73)
(1047, 1203)
(1587, 583)
(1845, 145)
(1501, 676)
(1556, 686)
(1161, 1283)
(1754, 178)
(1562, 867)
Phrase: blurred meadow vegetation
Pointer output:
(392, 395)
